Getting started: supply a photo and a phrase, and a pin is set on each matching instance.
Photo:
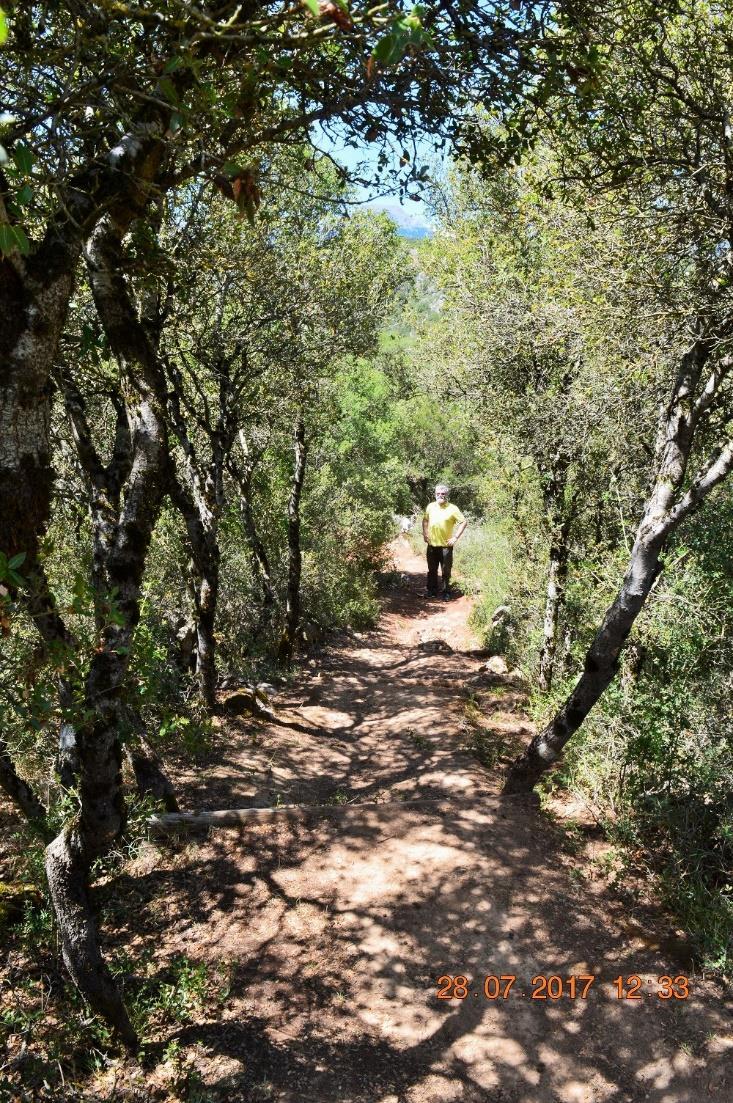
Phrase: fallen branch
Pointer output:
(297, 813)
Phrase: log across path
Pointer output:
(298, 813)
(402, 935)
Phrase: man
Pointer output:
(441, 534)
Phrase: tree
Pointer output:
(109, 110)
(524, 332)
(265, 315)
(657, 161)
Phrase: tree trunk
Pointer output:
(105, 484)
(295, 558)
(60, 644)
(601, 664)
(260, 561)
(554, 598)
(102, 814)
(665, 509)
(150, 776)
(19, 791)
(67, 870)
(202, 530)
(208, 592)
(34, 298)
(67, 757)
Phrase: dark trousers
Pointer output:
(443, 558)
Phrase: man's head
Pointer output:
(442, 492)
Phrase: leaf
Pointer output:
(25, 194)
(23, 158)
(16, 561)
(312, 6)
(3, 27)
(168, 89)
(391, 48)
(22, 242)
(7, 239)
(13, 238)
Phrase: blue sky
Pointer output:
(410, 215)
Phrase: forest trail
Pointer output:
(330, 934)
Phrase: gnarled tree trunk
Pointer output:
(67, 870)
(102, 814)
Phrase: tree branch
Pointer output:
(706, 479)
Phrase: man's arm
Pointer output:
(458, 534)
(425, 527)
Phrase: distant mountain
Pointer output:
(409, 217)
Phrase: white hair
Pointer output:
(442, 486)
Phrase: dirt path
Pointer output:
(333, 933)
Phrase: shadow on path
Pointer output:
(333, 935)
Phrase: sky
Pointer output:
(411, 216)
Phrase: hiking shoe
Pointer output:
(430, 593)
(446, 596)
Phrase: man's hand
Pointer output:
(459, 533)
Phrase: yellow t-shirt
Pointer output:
(442, 518)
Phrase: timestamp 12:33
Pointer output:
(555, 987)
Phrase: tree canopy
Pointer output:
(218, 376)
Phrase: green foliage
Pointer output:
(406, 31)
(484, 561)
(13, 239)
(9, 569)
(656, 755)
(353, 489)
(154, 679)
(171, 995)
